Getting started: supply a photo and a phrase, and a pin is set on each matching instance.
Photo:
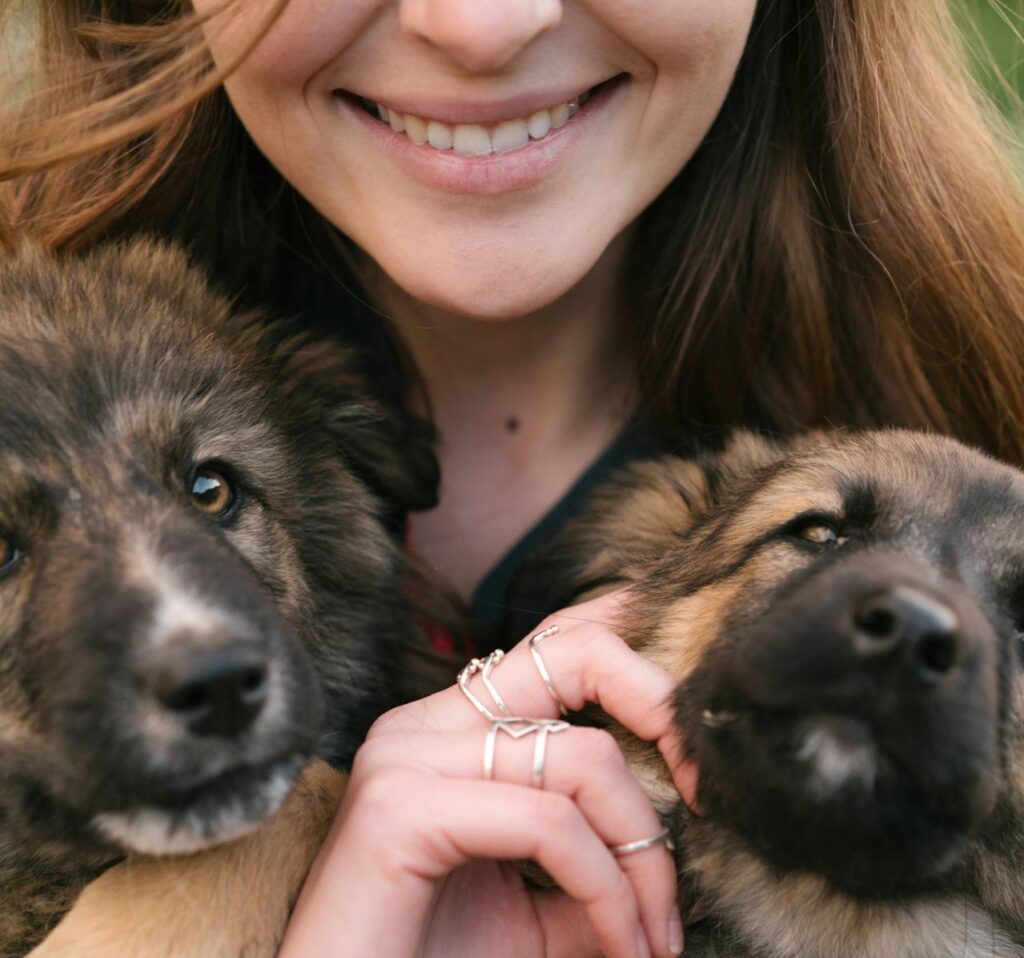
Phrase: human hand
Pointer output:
(417, 861)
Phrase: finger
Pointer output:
(588, 662)
(550, 829)
(685, 772)
(583, 764)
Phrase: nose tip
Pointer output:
(480, 35)
(909, 619)
(220, 694)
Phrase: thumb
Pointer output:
(567, 932)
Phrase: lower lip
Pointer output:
(491, 175)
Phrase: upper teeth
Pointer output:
(472, 139)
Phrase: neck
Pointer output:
(522, 406)
(544, 375)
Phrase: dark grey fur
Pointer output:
(121, 373)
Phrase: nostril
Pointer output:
(220, 694)
(254, 680)
(186, 698)
(937, 653)
(877, 621)
(878, 626)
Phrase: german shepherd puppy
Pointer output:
(197, 574)
(844, 615)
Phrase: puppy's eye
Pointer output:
(212, 493)
(817, 529)
(9, 554)
(822, 535)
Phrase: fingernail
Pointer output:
(675, 933)
(643, 950)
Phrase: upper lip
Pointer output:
(485, 112)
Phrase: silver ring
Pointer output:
(545, 675)
(485, 667)
(517, 727)
(662, 838)
(490, 664)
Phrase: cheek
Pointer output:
(694, 624)
(682, 38)
(304, 38)
(685, 57)
(270, 552)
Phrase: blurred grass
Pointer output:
(994, 32)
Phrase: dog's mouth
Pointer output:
(869, 809)
(222, 809)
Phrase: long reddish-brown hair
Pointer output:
(846, 247)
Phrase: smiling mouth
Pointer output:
(476, 139)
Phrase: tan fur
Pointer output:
(229, 902)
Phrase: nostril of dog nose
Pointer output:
(220, 695)
(904, 617)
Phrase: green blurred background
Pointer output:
(995, 35)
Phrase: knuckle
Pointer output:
(595, 746)
(555, 813)
(384, 791)
(369, 759)
(388, 722)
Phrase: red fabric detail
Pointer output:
(438, 635)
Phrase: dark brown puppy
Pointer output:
(196, 573)
(844, 616)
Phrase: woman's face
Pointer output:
(534, 131)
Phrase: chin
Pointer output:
(490, 305)
(499, 285)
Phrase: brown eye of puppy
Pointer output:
(819, 530)
(212, 493)
(821, 535)
(9, 553)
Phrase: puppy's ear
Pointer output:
(629, 523)
(391, 450)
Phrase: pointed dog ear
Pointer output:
(628, 523)
(390, 450)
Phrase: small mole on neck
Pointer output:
(512, 424)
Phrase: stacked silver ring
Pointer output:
(515, 726)
(518, 726)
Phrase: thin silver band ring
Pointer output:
(545, 675)
(662, 838)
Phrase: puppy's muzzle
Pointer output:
(852, 729)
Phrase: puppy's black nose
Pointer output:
(905, 619)
(219, 694)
